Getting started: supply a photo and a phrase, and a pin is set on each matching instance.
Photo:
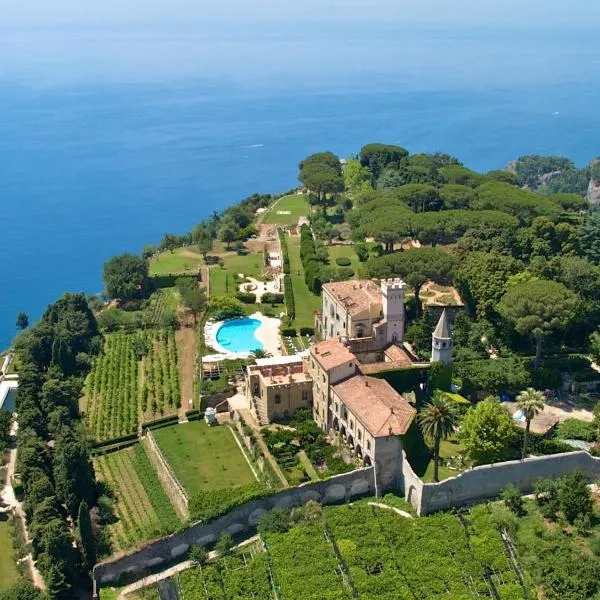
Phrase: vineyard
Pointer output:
(161, 302)
(135, 379)
(237, 577)
(363, 552)
(139, 501)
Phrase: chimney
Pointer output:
(392, 409)
(366, 382)
(289, 372)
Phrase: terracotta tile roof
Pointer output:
(376, 404)
(399, 355)
(356, 295)
(331, 353)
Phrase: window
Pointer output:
(323, 378)
(256, 389)
(352, 425)
(277, 398)
(443, 344)
(304, 395)
(360, 332)
(336, 407)
(350, 365)
(368, 444)
(360, 435)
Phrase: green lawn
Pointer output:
(223, 279)
(306, 302)
(8, 568)
(347, 252)
(204, 458)
(448, 449)
(181, 260)
(295, 204)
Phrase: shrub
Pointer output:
(574, 429)
(343, 261)
(289, 332)
(226, 307)
(225, 544)
(594, 544)
(198, 554)
(307, 331)
(346, 272)
(246, 297)
(574, 497)
(270, 298)
(513, 499)
(275, 521)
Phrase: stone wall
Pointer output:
(162, 551)
(488, 481)
(173, 488)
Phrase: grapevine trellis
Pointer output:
(125, 389)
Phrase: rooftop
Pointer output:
(279, 374)
(376, 404)
(356, 295)
(332, 353)
(442, 329)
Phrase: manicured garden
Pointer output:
(340, 255)
(140, 505)
(204, 458)
(8, 567)
(306, 303)
(134, 379)
(224, 278)
(179, 261)
(295, 204)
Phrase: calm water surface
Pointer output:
(109, 139)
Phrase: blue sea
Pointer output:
(110, 138)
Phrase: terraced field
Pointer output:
(141, 506)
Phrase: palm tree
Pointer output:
(530, 402)
(260, 353)
(438, 420)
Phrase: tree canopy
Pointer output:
(416, 266)
(486, 431)
(126, 276)
(379, 156)
(539, 308)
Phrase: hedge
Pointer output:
(246, 297)
(194, 415)
(207, 505)
(289, 332)
(116, 440)
(162, 422)
(290, 304)
(114, 448)
(165, 281)
(307, 331)
(346, 272)
(343, 261)
(285, 257)
(270, 298)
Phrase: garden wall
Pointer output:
(136, 564)
(488, 481)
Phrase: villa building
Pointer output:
(277, 387)
(366, 411)
(361, 308)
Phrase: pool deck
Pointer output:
(267, 334)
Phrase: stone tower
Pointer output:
(392, 298)
(441, 341)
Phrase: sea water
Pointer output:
(111, 138)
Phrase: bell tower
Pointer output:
(441, 341)
(392, 298)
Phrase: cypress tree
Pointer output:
(86, 536)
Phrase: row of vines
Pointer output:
(136, 498)
(235, 577)
(135, 379)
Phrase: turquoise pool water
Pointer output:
(237, 335)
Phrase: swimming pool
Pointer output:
(238, 335)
